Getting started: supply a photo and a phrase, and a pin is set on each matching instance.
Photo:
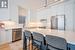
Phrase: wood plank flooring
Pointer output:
(18, 45)
(12, 46)
(5, 47)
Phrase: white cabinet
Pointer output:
(2, 36)
(61, 22)
(5, 36)
(8, 35)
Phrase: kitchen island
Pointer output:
(69, 36)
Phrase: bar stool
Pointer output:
(38, 40)
(55, 43)
(27, 40)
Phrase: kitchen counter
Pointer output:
(69, 36)
(11, 28)
(6, 34)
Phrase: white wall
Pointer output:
(50, 11)
(63, 8)
(74, 16)
(4, 13)
(33, 17)
(14, 4)
(14, 13)
(69, 15)
(46, 14)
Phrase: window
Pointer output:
(22, 19)
(3, 3)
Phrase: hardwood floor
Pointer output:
(18, 45)
(12, 46)
(5, 47)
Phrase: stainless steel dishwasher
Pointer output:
(16, 34)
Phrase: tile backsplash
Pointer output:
(9, 24)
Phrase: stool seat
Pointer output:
(55, 43)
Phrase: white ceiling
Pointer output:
(36, 4)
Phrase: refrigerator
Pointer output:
(58, 22)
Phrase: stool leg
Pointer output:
(31, 46)
(25, 44)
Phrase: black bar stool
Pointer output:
(26, 40)
(55, 43)
(38, 40)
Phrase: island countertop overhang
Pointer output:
(69, 36)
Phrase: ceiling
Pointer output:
(36, 4)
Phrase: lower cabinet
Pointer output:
(71, 46)
(8, 35)
(5, 36)
(2, 36)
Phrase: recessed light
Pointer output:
(56, 0)
(59, 0)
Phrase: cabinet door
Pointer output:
(2, 36)
(61, 22)
(54, 24)
(8, 35)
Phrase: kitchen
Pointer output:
(35, 16)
